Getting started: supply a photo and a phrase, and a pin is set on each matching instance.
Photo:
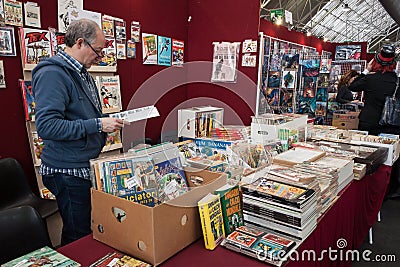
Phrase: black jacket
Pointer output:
(376, 87)
(344, 95)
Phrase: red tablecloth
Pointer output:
(349, 220)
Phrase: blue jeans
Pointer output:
(73, 199)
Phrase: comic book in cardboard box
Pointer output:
(153, 234)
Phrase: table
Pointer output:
(345, 224)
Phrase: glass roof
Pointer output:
(363, 21)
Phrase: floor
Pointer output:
(386, 238)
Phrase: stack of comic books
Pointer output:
(280, 207)
(262, 245)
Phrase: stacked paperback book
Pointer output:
(280, 207)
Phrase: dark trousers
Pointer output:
(73, 199)
(394, 185)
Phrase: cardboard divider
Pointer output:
(152, 234)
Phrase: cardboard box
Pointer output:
(152, 234)
(347, 121)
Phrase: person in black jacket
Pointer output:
(344, 95)
(376, 87)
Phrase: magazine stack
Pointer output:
(280, 207)
(298, 178)
(265, 246)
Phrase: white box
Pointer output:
(197, 121)
(264, 133)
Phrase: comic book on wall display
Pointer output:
(149, 48)
(325, 66)
(288, 79)
(121, 50)
(57, 40)
(44, 256)
(7, 42)
(130, 49)
(225, 62)
(110, 94)
(164, 51)
(38, 145)
(135, 31)
(290, 61)
(107, 23)
(178, 49)
(35, 45)
(211, 220)
(120, 29)
(274, 79)
(286, 100)
(2, 76)
(32, 14)
(13, 12)
(110, 53)
(63, 5)
(2, 17)
(77, 14)
(273, 97)
(28, 99)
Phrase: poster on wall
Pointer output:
(32, 14)
(2, 18)
(2, 76)
(178, 50)
(348, 52)
(77, 14)
(130, 49)
(120, 29)
(249, 60)
(13, 12)
(164, 51)
(249, 46)
(63, 5)
(7, 43)
(225, 61)
(149, 48)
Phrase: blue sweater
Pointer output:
(65, 116)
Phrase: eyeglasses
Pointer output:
(98, 54)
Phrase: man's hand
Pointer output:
(110, 125)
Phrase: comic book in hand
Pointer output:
(232, 210)
(118, 259)
(28, 99)
(212, 222)
(132, 178)
(42, 257)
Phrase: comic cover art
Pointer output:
(164, 51)
(178, 48)
(35, 45)
(241, 239)
(149, 48)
